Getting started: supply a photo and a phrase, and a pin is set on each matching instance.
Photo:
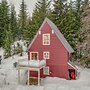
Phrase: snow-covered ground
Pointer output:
(9, 79)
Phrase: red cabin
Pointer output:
(50, 44)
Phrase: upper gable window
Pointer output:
(46, 39)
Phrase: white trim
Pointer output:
(72, 66)
(69, 56)
(38, 77)
(44, 70)
(34, 52)
(48, 55)
(52, 31)
(39, 32)
(43, 39)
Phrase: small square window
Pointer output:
(46, 70)
(46, 55)
(46, 39)
(33, 55)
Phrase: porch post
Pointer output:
(18, 75)
(28, 76)
(38, 77)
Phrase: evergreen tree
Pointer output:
(28, 34)
(78, 6)
(1, 31)
(85, 5)
(57, 14)
(13, 23)
(69, 26)
(65, 16)
(4, 20)
(22, 22)
(41, 11)
(86, 2)
(78, 11)
(7, 43)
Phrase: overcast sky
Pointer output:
(30, 4)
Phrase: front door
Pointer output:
(33, 55)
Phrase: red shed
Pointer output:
(50, 44)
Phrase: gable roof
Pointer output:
(58, 34)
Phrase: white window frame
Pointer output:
(31, 55)
(44, 55)
(46, 72)
(43, 39)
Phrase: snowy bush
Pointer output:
(19, 47)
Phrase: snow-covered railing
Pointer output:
(31, 63)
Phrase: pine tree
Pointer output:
(28, 34)
(7, 43)
(66, 18)
(86, 2)
(13, 23)
(69, 26)
(57, 14)
(22, 19)
(4, 20)
(41, 11)
(85, 5)
(1, 31)
(78, 6)
(78, 11)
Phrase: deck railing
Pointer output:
(31, 63)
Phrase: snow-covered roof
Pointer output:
(58, 34)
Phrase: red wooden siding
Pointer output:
(58, 54)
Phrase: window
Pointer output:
(46, 70)
(46, 39)
(46, 55)
(33, 55)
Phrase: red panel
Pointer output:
(58, 53)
